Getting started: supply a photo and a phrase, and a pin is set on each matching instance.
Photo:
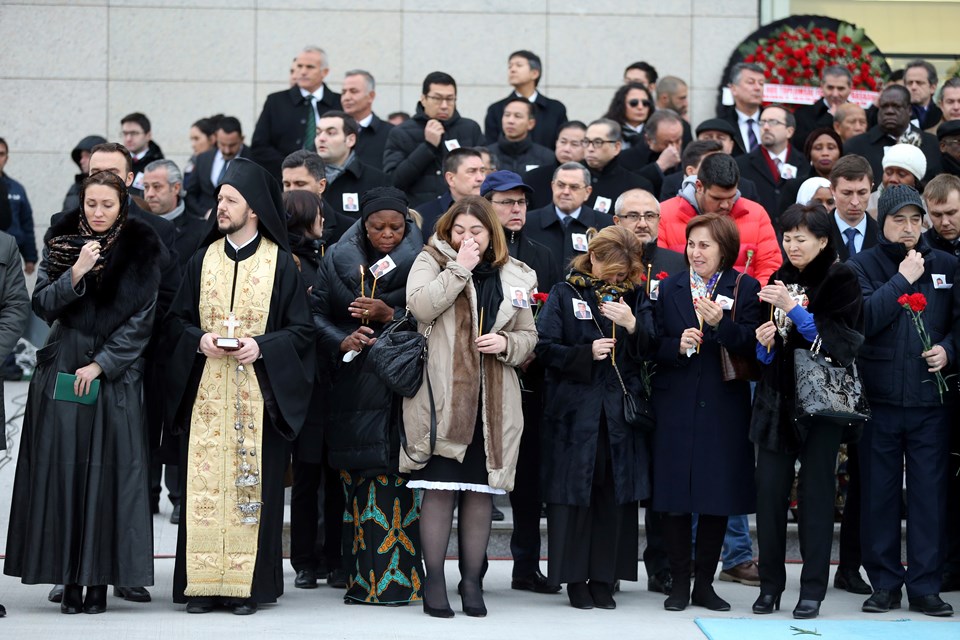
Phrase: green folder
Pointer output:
(64, 390)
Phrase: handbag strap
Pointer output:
(597, 324)
(433, 406)
(736, 292)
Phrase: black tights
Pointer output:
(436, 521)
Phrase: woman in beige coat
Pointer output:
(463, 284)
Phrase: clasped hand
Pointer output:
(248, 352)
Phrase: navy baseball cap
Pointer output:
(503, 181)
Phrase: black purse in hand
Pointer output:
(826, 389)
(400, 354)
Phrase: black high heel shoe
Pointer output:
(96, 600)
(806, 609)
(474, 611)
(72, 599)
(444, 612)
(766, 603)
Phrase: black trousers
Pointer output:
(655, 557)
(920, 436)
(952, 559)
(525, 497)
(850, 553)
(171, 478)
(309, 480)
(816, 490)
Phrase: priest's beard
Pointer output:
(436, 520)
(229, 227)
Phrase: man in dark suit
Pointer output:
(347, 177)
(463, 173)
(746, 85)
(524, 70)
(289, 118)
(920, 79)
(893, 126)
(569, 149)
(607, 178)
(836, 83)
(210, 166)
(554, 225)
(775, 163)
(357, 98)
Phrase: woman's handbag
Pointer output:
(733, 366)
(826, 389)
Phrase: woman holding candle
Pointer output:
(595, 467)
(380, 539)
(464, 274)
(810, 295)
(703, 460)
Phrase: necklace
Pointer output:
(248, 470)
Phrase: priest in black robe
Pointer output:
(237, 407)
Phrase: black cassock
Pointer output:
(285, 373)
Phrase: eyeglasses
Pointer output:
(770, 123)
(646, 217)
(510, 203)
(575, 144)
(635, 102)
(573, 187)
(951, 142)
(442, 99)
(598, 143)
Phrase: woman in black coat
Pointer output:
(363, 433)
(594, 467)
(703, 461)
(81, 509)
(812, 295)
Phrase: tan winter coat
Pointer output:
(432, 293)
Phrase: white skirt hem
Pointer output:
(454, 486)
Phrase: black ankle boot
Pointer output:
(710, 532)
(72, 599)
(96, 600)
(676, 537)
(579, 595)
(766, 603)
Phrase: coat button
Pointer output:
(89, 354)
(702, 403)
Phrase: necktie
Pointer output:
(752, 142)
(223, 170)
(851, 234)
(566, 221)
(311, 132)
(779, 164)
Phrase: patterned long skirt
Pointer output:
(382, 532)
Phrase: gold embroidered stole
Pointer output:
(221, 550)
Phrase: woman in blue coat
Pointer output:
(703, 461)
(594, 467)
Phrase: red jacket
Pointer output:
(756, 234)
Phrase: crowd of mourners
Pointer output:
(753, 314)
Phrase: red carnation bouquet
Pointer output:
(915, 304)
(539, 299)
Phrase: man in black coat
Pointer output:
(348, 178)
(893, 126)
(137, 137)
(415, 149)
(836, 83)
(949, 136)
(357, 95)
(463, 173)
(746, 85)
(515, 149)
(305, 170)
(659, 155)
(910, 417)
(210, 166)
(508, 194)
(569, 148)
(563, 222)
(920, 79)
(524, 70)
(288, 119)
(775, 163)
(607, 178)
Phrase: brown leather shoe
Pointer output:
(745, 573)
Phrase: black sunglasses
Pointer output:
(636, 102)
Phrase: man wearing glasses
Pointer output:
(775, 164)
(607, 178)
(569, 149)
(416, 148)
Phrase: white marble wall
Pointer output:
(74, 67)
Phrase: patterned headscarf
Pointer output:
(603, 290)
(64, 250)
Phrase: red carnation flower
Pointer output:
(663, 275)
(540, 298)
(749, 58)
(846, 40)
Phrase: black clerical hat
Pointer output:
(262, 193)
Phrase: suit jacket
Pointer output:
(550, 115)
(539, 180)
(871, 144)
(202, 193)
(932, 118)
(544, 227)
(372, 141)
(356, 179)
(754, 166)
(283, 124)
(190, 231)
(729, 113)
(810, 117)
(870, 238)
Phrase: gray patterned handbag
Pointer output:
(826, 389)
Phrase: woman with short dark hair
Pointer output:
(703, 460)
(812, 296)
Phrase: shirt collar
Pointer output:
(743, 117)
(366, 121)
(238, 248)
(533, 96)
(318, 94)
(843, 225)
(561, 215)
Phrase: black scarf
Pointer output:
(65, 250)
(486, 282)
(514, 148)
(6, 213)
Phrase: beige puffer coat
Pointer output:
(432, 293)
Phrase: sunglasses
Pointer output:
(635, 102)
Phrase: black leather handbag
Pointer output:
(400, 354)
(826, 389)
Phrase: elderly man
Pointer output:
(569, 148)
(836, 83)
(357, 95)
(849, 120)
(746, 85)
(910, 419)
(289, 118)
(893, 126)
(162, 189)
(920, 78)
(659, 156)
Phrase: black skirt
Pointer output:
(470, 475)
